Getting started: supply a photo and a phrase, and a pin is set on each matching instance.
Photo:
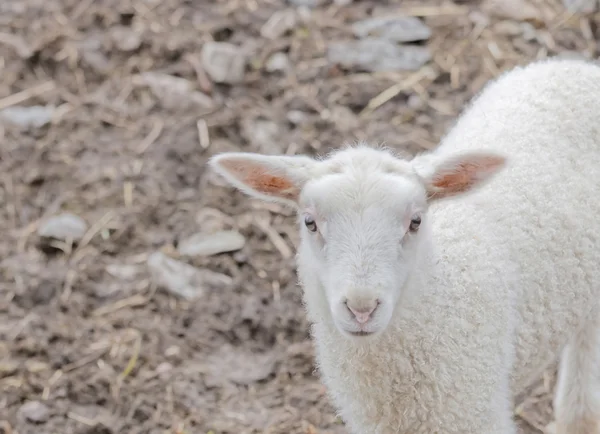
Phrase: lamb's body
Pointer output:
(467, 307)
(519, 272)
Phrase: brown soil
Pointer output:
(119, 354)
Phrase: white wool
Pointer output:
(495, 285)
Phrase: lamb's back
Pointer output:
(538, 218)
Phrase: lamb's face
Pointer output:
(362, 223)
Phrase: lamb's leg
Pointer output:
(577, 396)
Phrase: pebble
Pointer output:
(125, 38)
(344, 119)
(307, 3)
(395, 29)
(520, 10)
(279, 23)
(223, 62)
(263, 135)
(34, 411)
(212, 220)
(297, 117)
(511, 28)
(173, 92)
(122, 272)
(63, 227)
(581, 6)
(277, 62)
(28, 117)
(376, 54)
(182, 279)
(8, 368)
(205, 244)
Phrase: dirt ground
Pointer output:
(90, 341)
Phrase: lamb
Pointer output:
(441, 286)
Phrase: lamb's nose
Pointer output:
(362, 311)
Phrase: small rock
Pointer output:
(173, 92)
(122, 272)
(91, 54)
(396, 29)
(28, 117)
(279, 23)
(571, 55)
(35, 366)
(182, 279)
(511, 28)
(520, 10)
(203, 244)
(223, 62)
(212, 220)
(125, 38)
(63, 227)
(307, 3)
(529, 32)
(297, 117)
(172, 351)
(479, 18)
(343, 118)
(581, 6)
(21, 47)
(34, 411)
(240, 367)
(263, 134)
(415, 102)
(277, 62)
(377, 55)
(164, 368)
(8, 368)
(97, 60)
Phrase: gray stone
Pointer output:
(581, 6)
(63, 227)
(34, 411)
(125, 38)
(396, 29)
(28, 117)
(278, 24)
(223, 62)
(173, 92)
(182, 279)
(206, 244)
(277, 62)
(307, 3)
(375, 55)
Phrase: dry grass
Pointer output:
(112, 355)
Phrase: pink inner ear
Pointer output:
(462, 176)
(257, 178)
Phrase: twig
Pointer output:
(135, 300)
(394, 90)
(151, 137)
(275, 238)
(24, 95)
(203, 135)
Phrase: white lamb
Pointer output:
(440, 287)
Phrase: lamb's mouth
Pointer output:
(361, 333)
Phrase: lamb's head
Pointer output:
(362, 218)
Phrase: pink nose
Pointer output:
(362, 313)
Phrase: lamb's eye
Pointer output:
(415, 222)
(310, 223)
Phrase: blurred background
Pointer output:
(138, 293)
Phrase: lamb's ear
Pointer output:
(268, 177)
(456, 174)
